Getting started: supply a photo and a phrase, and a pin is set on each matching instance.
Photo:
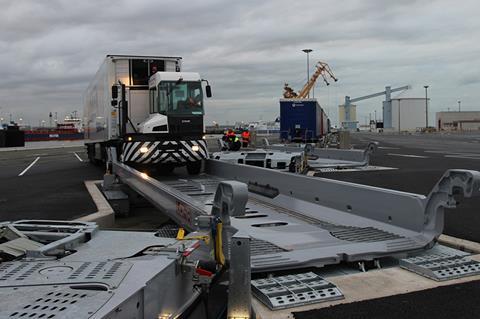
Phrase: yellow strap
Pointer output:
(181, 236)
(205, 238)
(219, 257)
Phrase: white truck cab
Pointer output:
(153, 112)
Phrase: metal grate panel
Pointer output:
(294, 290)
(47, 302)
(363, 234)
(110, 273)
(261, 247)
(441, 264)
(347, 233)
(169, 231)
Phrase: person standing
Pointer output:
(245, 138)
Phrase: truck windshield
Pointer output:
(182, 98)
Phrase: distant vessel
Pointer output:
(70, 129)
(265, 127)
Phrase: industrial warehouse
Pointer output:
(176, 162)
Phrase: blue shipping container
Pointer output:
(302, 120)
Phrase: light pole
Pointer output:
(459, 102)
(426, 106)
(307, 51)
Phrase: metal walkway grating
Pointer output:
(51, 302)
(294, 290)
(262, 247)
(365, 234)
(51, 272)
(442, 263)
(167, 231)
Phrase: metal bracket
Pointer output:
(453, 182)
(371, 148)
(230, 200)
(109, 176)
(57, 236)
(222, 145)
(239, 289)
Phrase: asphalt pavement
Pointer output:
(45, 183)
(448, 302)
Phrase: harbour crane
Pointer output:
(322, 69)
(387, 106)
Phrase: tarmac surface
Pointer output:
(46, 183)
(448, 302)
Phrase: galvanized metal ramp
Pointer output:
(296, 221)
(329, 158)
(294, 290)
(369, 168)
(442, 263)
(289, 232)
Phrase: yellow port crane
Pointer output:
(322, 69)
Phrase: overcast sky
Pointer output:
(50, 50)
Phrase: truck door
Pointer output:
(138, 109)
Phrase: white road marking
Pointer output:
(454, 153)
(438, 152)
(407, 155)
(360, 169)
(388, 148)
(29, 166)
(477, 157)
(81, 160)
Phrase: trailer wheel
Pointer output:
(165, 169)
(91, 155)
(194, 168)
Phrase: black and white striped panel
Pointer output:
(158, 152)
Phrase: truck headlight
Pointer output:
(143, 149)
(195, 148)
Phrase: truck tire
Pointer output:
(91, 155)
(194, 168)
(165, 169)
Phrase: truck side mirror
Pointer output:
(114, 92)
(208, 91)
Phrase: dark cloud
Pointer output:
(49, 50)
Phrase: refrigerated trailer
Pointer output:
(149, 109)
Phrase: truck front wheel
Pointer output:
(166, 169)
(194, 168)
